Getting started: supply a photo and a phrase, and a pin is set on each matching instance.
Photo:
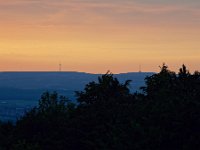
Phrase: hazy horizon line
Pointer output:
(70, 71)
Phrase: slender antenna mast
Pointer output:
(140, 68)
(60, 67)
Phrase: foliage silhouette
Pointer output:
(107, 116)
(106, 88)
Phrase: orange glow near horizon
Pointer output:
(97, 36)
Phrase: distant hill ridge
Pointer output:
(29, 85)
(20, 91)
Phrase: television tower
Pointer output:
(140, 69)
(60, 67)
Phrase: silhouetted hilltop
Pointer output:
(21, 90)
(30, 85)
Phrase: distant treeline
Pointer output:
(164, 116)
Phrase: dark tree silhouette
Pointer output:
(107, 116)
(106, 88)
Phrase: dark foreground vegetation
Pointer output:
(165, 116)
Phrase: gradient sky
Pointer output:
(99, 35)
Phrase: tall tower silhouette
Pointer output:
(60, 67)
(140, 68)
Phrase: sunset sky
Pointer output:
(99, 35)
